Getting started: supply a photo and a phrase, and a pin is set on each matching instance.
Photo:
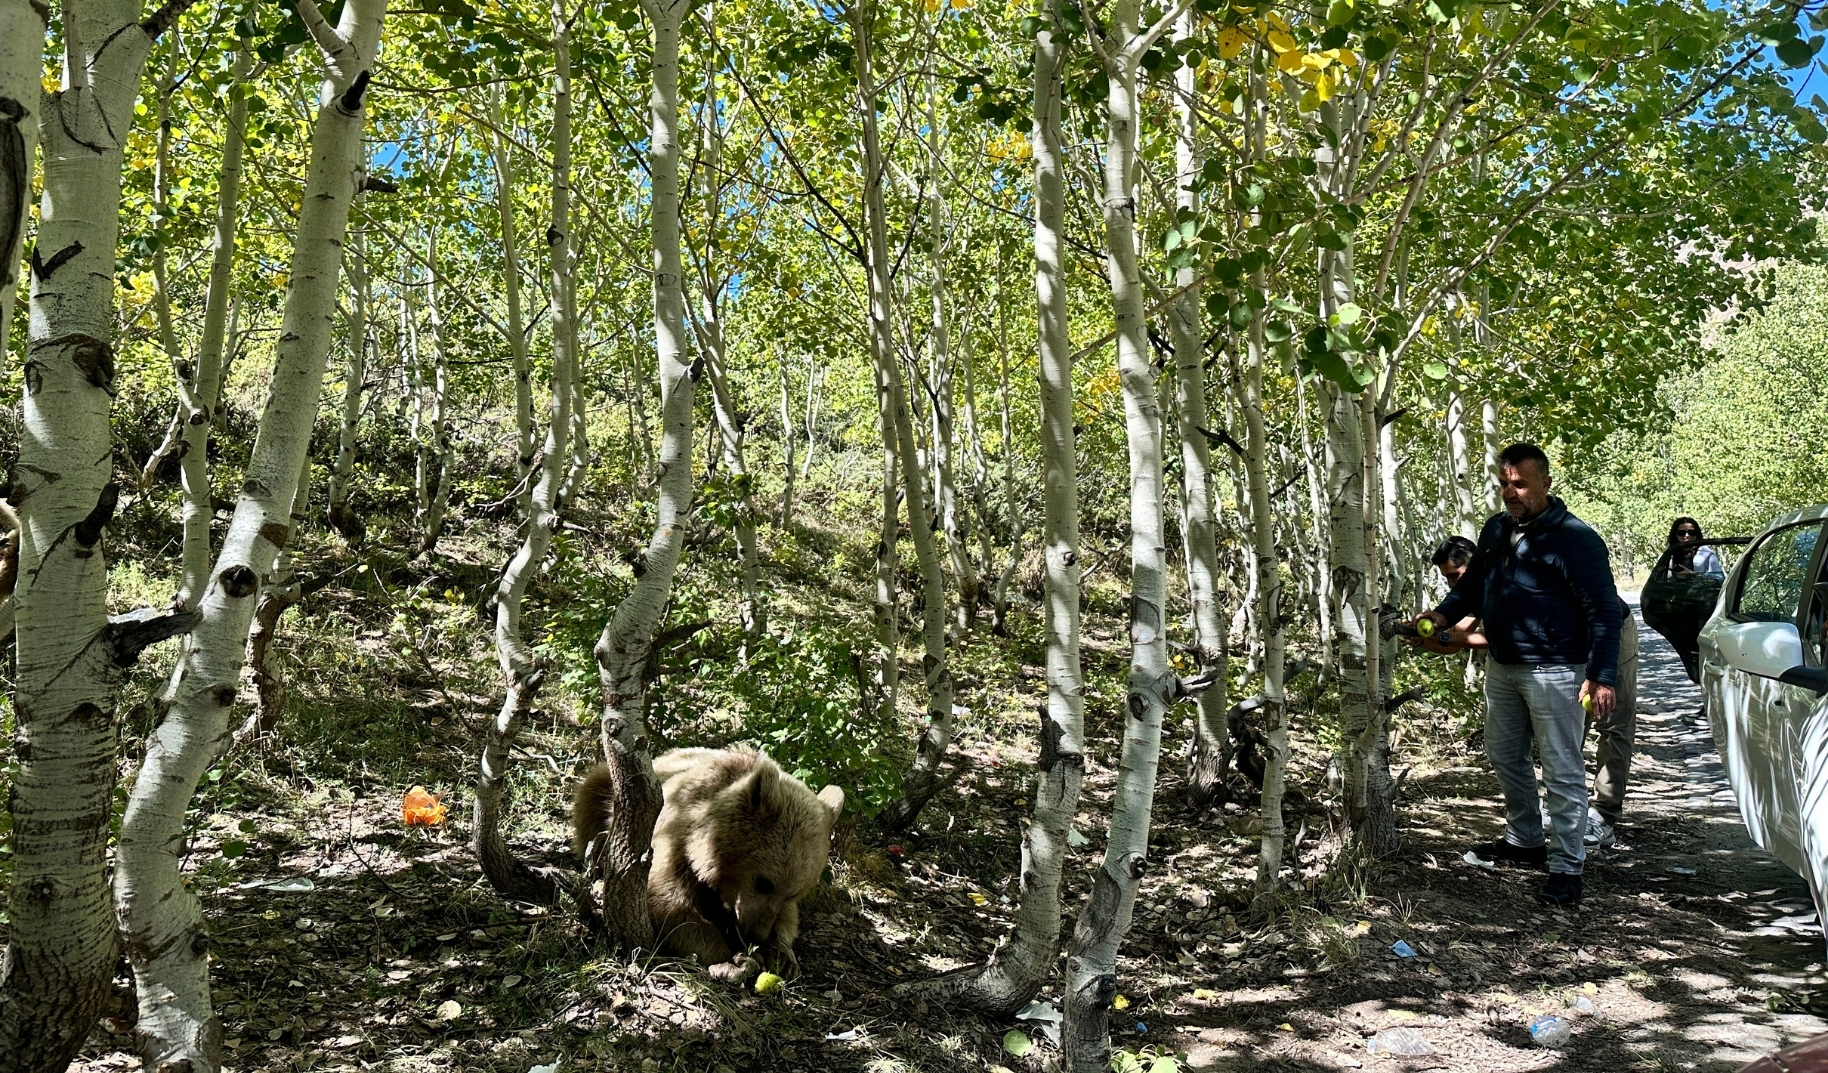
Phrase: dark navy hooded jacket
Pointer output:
(1550, 599)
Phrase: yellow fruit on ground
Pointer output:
(767, 983)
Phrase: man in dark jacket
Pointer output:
(1541, 585)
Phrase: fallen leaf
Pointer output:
(449, 1010)
(1120, 1003)
(1016, 1043)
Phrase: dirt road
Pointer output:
(1695, 949)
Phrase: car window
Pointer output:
(1775, 576)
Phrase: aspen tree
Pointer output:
(621, 859)
(523, 670)
(161, 919)
(1209, 763)
(71, 655)
(1018, 967)
(923, 778)
(22, 31)
(1152, 687)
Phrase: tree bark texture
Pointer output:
(1091, 965)
(923, 780)
(621, 862)
(356, 266)
(161, 920)
(22, 34)
(1013, 975)
(61, 950)
(1209, 763)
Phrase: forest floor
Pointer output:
(1694, 950)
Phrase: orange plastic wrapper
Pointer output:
(421, 808)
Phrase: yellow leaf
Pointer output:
(978, 899)
(1205, 994)
(1281, 41)
(1319, 61)
(1276, 20)
(1120, 1003)
(1289, 63)
(1363, 926)
(1231, 42)
(1347, 57)
(1323, 87)
(1285, 1027)
(960, 5)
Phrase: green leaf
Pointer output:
(1340, 12)
(1347, 315)
(1809, 126)
(247, 827)
(1435, 370)
(1796, 52)
(1165, 1064)
(1776, 33)
(1277, 331)
(1016, 1043)
(231, 850)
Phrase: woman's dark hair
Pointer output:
(1679, 523)
(1456, 550)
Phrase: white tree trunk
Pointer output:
(344, 466)
(730, 426)
(1266, 575)
(501, 154)
(523, 670)
(1091, 966)
(203, 395)
(61, 951)
(1209, 764)
(436, 485)
(1016, 970)
(627, 641)
(1489, 428)
(22, 34)
(922, 780)
(280, 592)
(939, 355)
(1460, 467)
(161, 919)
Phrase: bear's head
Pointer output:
(771, 838)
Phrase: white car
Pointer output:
(1764, 673)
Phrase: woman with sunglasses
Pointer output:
(1688, 555)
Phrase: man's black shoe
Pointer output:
(1503, 851)
(1561, 890)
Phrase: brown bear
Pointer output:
(738, 843)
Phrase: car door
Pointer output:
(1806, 703)
(1760, 743)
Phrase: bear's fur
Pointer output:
(738, 843)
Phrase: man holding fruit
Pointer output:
(1541, 586)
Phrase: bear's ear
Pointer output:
(832, 798)
(762, 792)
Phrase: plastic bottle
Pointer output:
(1406, 1042)
(1551, 1031)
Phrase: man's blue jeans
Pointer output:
(1539, 702)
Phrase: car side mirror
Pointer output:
(1766, 649)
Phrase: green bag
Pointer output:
(1678, 605)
